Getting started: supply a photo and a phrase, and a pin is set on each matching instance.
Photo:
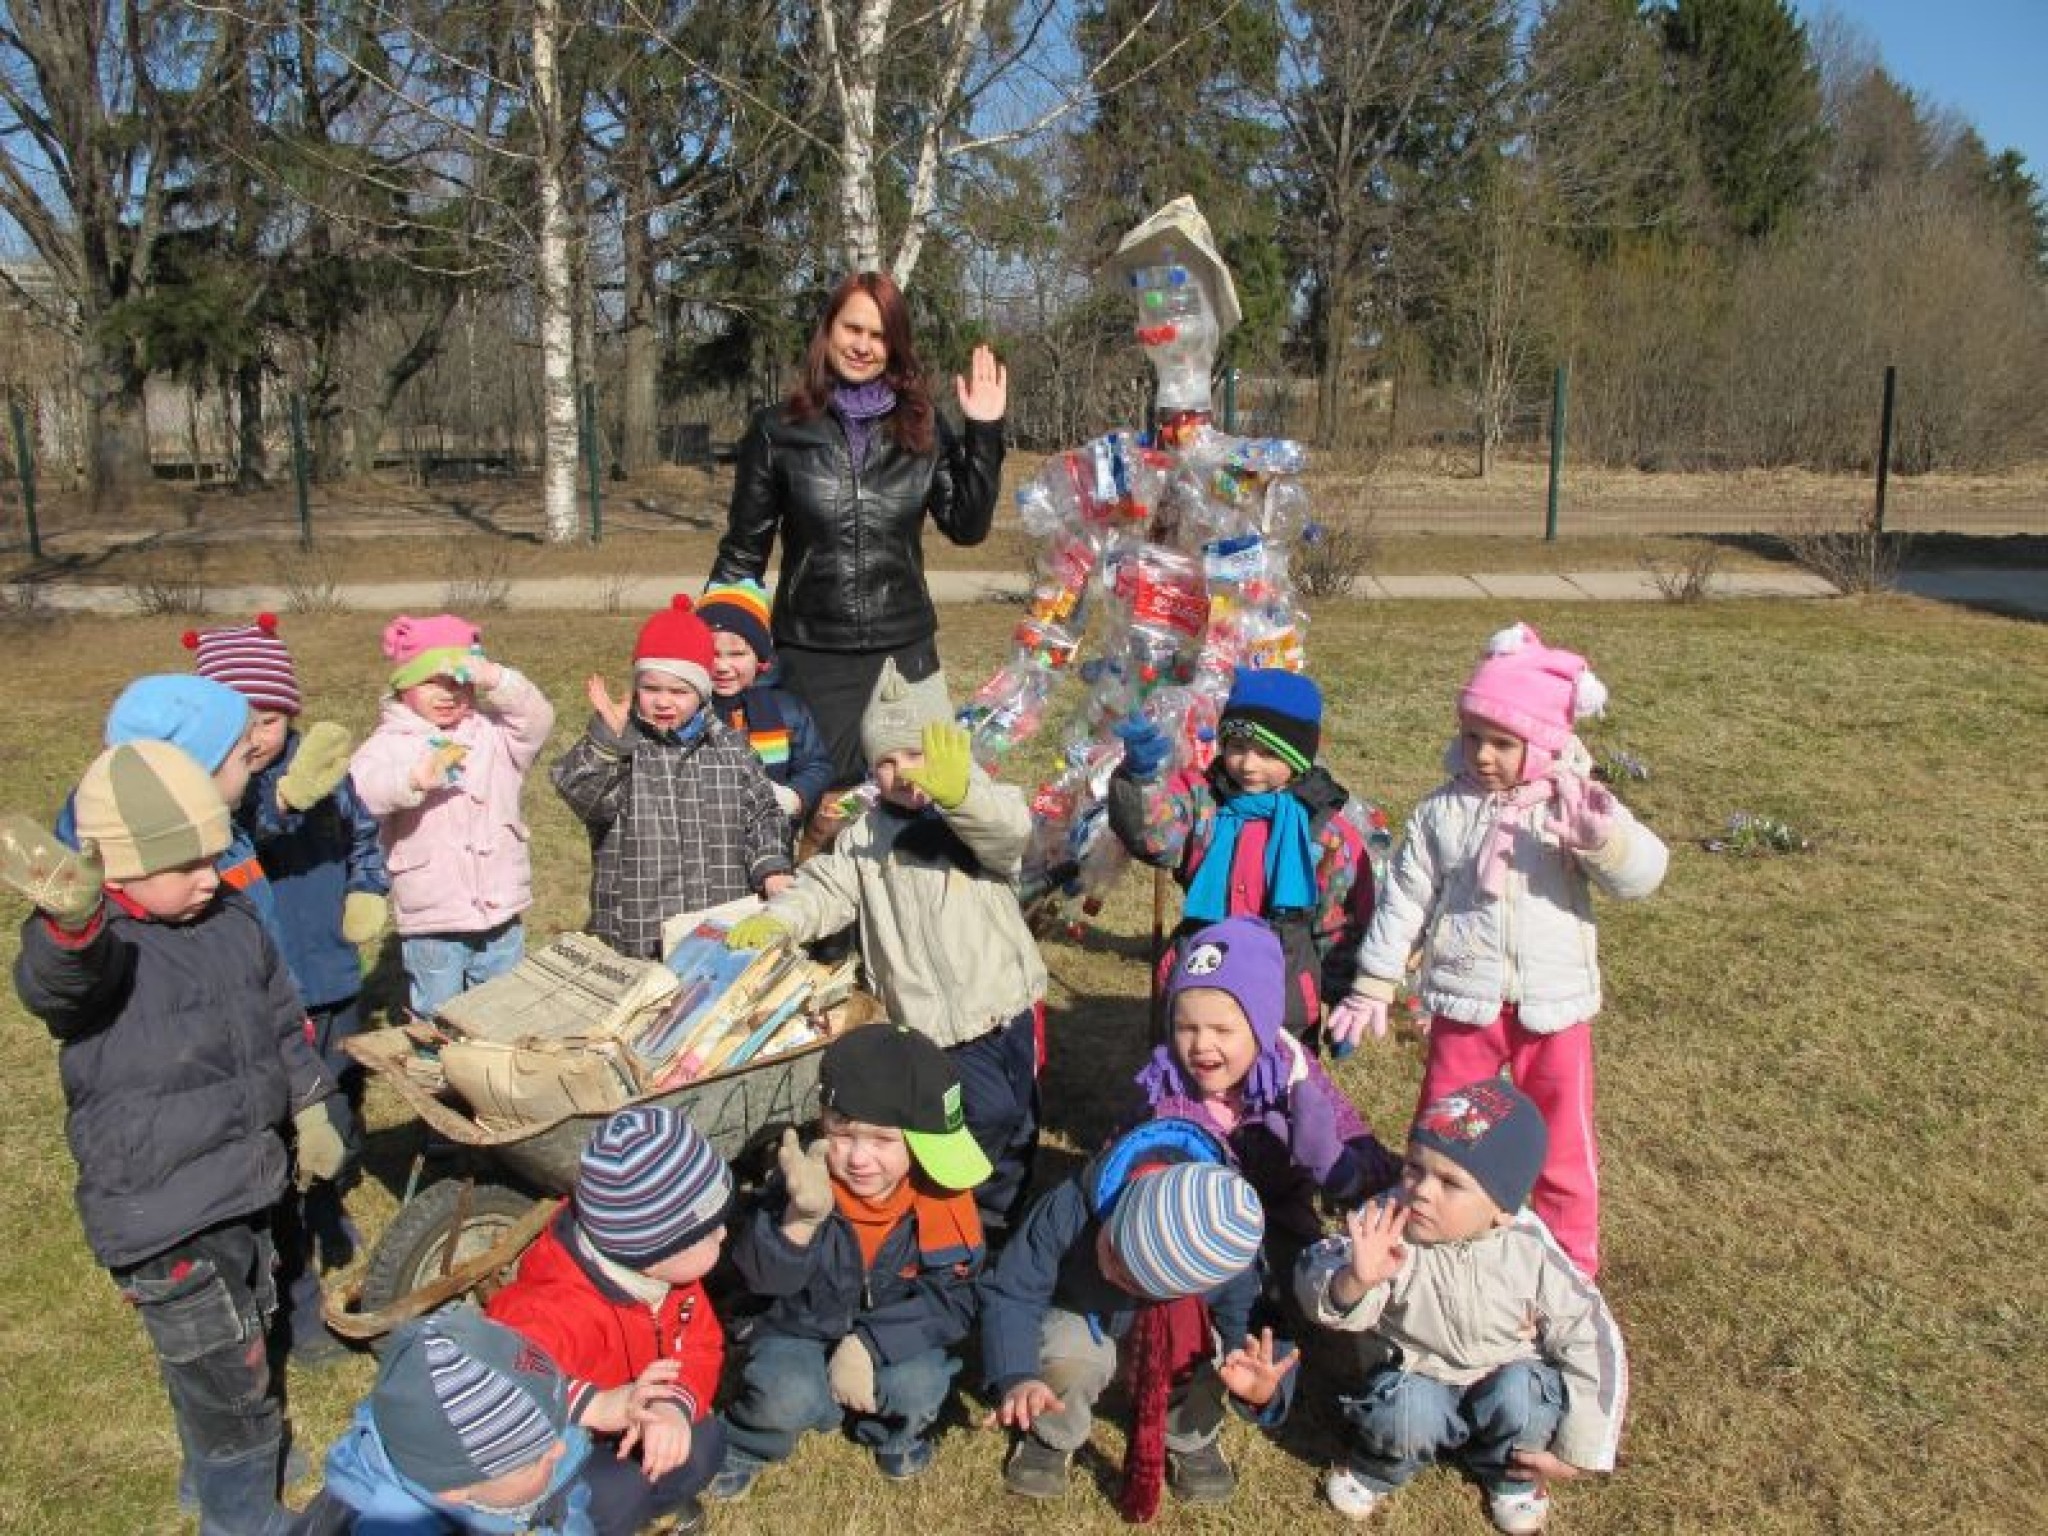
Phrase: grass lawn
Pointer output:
(1822, 1097)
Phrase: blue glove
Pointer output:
(1146, 748)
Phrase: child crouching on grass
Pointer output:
(867, 1260)
(1488, 1345)
(613, 1291)
(1148, 1259)
(927, 875)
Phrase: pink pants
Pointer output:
(1556, 1072)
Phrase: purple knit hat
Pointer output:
(1241, 956)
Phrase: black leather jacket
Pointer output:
(852, 576)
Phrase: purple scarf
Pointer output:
(859, 407)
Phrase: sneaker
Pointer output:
(1519, 1513)
(1351, 1495)
(902, 1466)
(1036, 1470)
(689, 1520)
(735, 1480)
(314, 1348)
(1200, 1476)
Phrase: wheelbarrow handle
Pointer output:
(359, 1326)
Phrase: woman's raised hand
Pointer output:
(985, 392)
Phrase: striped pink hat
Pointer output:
(250, 659)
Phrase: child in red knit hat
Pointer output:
(680, 812)
(1492, 880)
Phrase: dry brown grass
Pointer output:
(1823, 1110)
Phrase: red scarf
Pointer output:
(948, 1225)
(1168, 1340)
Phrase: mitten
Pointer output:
(756, 932)
(1581, 813)
(948, 753)
(851, 1375)
(321, 763)
(63, 882)
(1146, 748)
(323, 1154)
(364, 917)
(805, 1178)
(791, 802)
(1312, 1139)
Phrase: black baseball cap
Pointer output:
(890, 1075)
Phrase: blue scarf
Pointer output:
(859, 407)
(1290, 858)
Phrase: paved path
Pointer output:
(599, 593)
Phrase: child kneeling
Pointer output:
(1492, 1346)
(868, 1261)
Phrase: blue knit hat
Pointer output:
(460, 1400)
(1492, 1131)
(1282, 711)
(202, 716)
(649, 1186)
(1183, 1230)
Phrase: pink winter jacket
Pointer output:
(457, 854)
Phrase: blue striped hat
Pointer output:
(460, 1400)
(650, 1186)
(1186, 1229)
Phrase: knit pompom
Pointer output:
(1516, 637)
(1589, 696)
(267, 622)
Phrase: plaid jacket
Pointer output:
(677, 823)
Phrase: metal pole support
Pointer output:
(25, 469)
(302, 472)
(1557, 402)
(592, 469)
(1884, 445)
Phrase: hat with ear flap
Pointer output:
(1534, 691)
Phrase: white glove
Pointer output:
(791, 802)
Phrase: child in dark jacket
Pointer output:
(614, 1292)
(868, 1259)
(182, 1050)
(1228, 1066)
(777, 724)
(1152, 1252)
(1264, 832)
(680, 812)
(317, 843)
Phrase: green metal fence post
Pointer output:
(1884, 445)
(302, 472)
(1557, 393)
(1230, 399)
(590, 463)
(25, 468)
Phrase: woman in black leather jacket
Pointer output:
(846, 470)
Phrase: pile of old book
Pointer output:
(577, 1028)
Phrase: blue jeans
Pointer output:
(440, 965)
(999, 1099)
(783, 1392)
(1402, 1421)
(622, 1500)
(204, 1304)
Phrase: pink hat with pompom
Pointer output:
(1534, 691)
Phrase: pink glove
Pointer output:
(1581, 813)
(1355, 1018)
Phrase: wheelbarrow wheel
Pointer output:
(414, 1250)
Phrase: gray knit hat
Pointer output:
(1186, 1229)
(649, 1186)
(460, 1400)
(899, 710)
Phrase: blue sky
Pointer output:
(1984, 58)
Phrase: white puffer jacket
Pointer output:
(1534, 945)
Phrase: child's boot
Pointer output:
(914, 1460)
(733, 1481)
(1200, 1476)
(1036, 1470)
(1520, 1511)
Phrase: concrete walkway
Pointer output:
(591, 593)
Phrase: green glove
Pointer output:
(364, 917)
(62, 882)
(321, 763)
(756, 932)
(322, 1153)
(948, 754)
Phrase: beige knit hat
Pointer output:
(149, 807)
(899, 710)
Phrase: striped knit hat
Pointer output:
(740, 608)
(460, 1400)
(1186, 1229)
(250, 659)
(149, 807)
(650, 1186)
(1282, 711)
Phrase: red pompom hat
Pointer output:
(677, 642)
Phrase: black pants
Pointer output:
(999, 1099)
(837, 686)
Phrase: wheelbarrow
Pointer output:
(454, 1236)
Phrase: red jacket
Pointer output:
(602, 1338)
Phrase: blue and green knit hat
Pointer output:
(1280, 710)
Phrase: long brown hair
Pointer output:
(910, 424)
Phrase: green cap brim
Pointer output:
(443, 661)
(950, 1159)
